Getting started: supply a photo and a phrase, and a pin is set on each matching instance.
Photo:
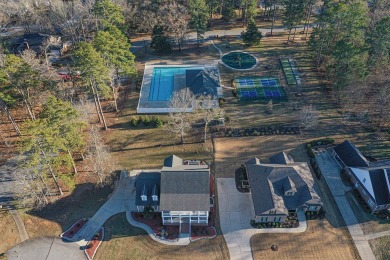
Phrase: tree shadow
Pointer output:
(83, 202)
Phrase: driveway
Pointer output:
(235, 212)
(331, 172)
(121, 200)
(48, 248)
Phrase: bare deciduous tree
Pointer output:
(308, 117)
(101, 160)
(208, 110)
(182, 102)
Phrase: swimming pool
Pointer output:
(161, 86)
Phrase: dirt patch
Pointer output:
(9, 232)
(122, 241)
(381, 247)
(320, 241)
(231, 153)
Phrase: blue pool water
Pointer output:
(161, 86)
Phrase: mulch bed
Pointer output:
(202, 232)
(94, 244)
(155, 223)
(75, 228)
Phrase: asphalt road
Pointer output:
(46, 248)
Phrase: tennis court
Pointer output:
(259, 88)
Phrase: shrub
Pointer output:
(310, 153)
(146, 120)
(140, 120)
(157, 122)
(133, 122)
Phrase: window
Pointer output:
(364, 192)
(356, 185)
(144, 198)
(364, 180)
(370, 202)
(290, 193)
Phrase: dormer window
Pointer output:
(289, 193)
(144, 194)
(155, 193)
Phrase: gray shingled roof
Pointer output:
(185, 190)
(173, 161)
(149, 179)
(200, 83)
(268, 183)
(281, 158)
(350, 155)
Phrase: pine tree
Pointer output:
(160, 41)
(252, 35)
(199, 17)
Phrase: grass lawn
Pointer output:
(123, 241)
(9, 232)
(381, 247)
(320, 241)
(369, 223)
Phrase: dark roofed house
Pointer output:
(281, 188)
(371, 180)
(347, 154)
(183, 190)
(200, 83)
(34, 41)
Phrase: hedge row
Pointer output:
(155, 122)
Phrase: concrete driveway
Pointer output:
(235, 212)
(122, 200)
(49, 248)
(331, 172)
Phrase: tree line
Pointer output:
(61, 121)
(351, 45)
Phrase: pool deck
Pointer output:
(146, 106)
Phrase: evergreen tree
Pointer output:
(199, 16)
(228, 11)
(379, 44)
(109, 13)
(252, 35)
(114, 47)
(160, 41)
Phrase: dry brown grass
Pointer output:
(38, 227)
(381, 247)
(123, 241)
(320, 241)
(230, 153)
(9, 233)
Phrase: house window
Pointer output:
(370, 202)
(312, 208)
(364, 192)
(266, 219)
(356, 185)
(290, 193)
(364, 180)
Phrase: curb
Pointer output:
(69, 238)
(94, 253)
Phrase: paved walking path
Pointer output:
(122, 200)
(19, 224)
(331, 172)
(377, 235)
(182, 241)
(235, 212)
